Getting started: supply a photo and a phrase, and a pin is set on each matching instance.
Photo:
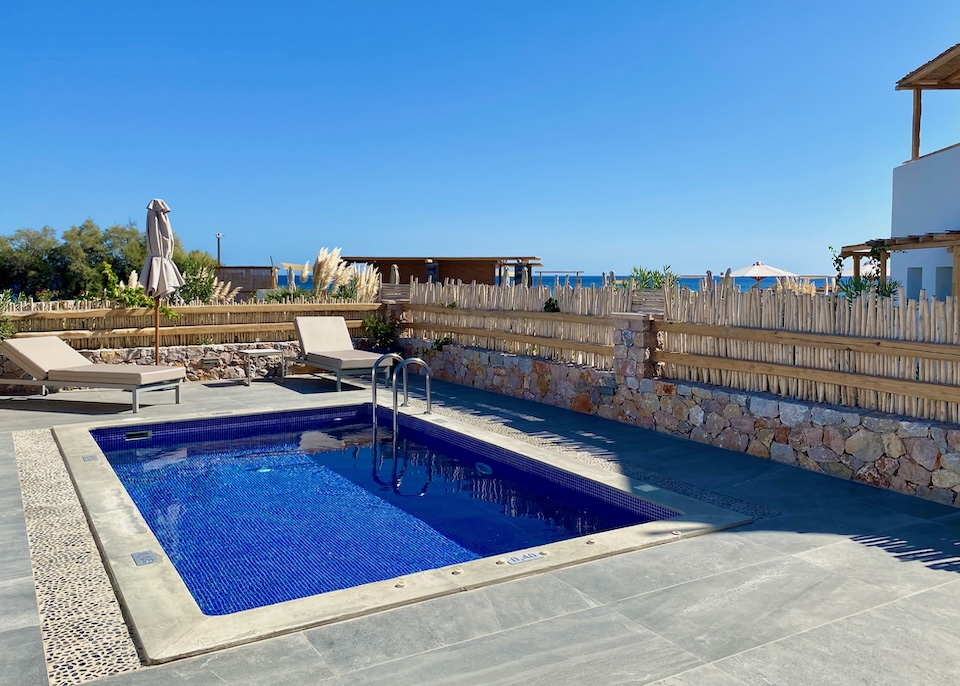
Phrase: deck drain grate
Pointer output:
(90, 458)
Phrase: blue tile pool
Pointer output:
(253, 511)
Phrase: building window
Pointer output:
(914, 282)
(944, 282)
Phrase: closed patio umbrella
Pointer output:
(159, 276)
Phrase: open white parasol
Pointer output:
(761, 271)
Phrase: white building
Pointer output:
(924, 244)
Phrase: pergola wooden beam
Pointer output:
(940, 73)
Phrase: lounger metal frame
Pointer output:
(174, 385)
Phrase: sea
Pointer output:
(596, 281)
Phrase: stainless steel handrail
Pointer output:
(373, 383)
(403, 367)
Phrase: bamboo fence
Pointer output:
(91, 325)
(512, 319)
(869, 352)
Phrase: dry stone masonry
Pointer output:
(906, 455)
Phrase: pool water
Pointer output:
(255, 513)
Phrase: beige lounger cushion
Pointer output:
(38, 355)
(322, 334)
(343, 359)
(126, 374)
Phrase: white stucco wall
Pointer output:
(926, 199)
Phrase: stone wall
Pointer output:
(203, 362)
(906, 455)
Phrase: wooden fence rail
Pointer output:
(512, 319)
(236, 323)
(868, 352)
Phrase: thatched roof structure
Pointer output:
(940, 73)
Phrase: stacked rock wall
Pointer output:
(906, 455)
(203, 362)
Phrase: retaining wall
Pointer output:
(906, 455)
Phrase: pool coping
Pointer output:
(167, 623)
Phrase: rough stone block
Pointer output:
(907, 428)
(646, 386)
(851, 419)
(695, 416)
(699, 435)
(824, 416)
(944, 478)
(745, 424)
(730, 439)
(880, 424)
(912, 472)
(892, 445)
(836, 469)
(794, 414)
(821, 453)
(887, 466)
(714, 423)
(765, 436)
(953, 440)
(924, 451)
(665, 421)
(731, 411)
(781, 434)
(757, 449)
(951, 461)
(833, 438)
(869, 474)
(865, 445)
(781, 452)
(699, 392)
(765, 407)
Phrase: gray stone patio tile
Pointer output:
(624, 576)
(822, 526)
(706, 675)
(596, 646)
(13, 530)
(452, 619)
(15, 561)
(385, 636)
(286, 659)
(533, 599)
(21, 658)
(901, 561)
(939, 607)
(888, 646)
(18, 604)
(735, 611)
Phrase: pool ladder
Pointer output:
(393, 382)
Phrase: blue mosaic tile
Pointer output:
(250, 517)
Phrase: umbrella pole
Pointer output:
(156, 332)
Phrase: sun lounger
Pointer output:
(326, 344)
(54, 364)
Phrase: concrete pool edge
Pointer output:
(168, 625)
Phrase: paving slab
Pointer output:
(594, 646)
(734, 611)
(626, 576)
(893, 645)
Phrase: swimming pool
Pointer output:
(166, 620)
(256, 511)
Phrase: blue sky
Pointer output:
(596, 135)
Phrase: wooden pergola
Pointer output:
(940, 73)
(882, 247)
